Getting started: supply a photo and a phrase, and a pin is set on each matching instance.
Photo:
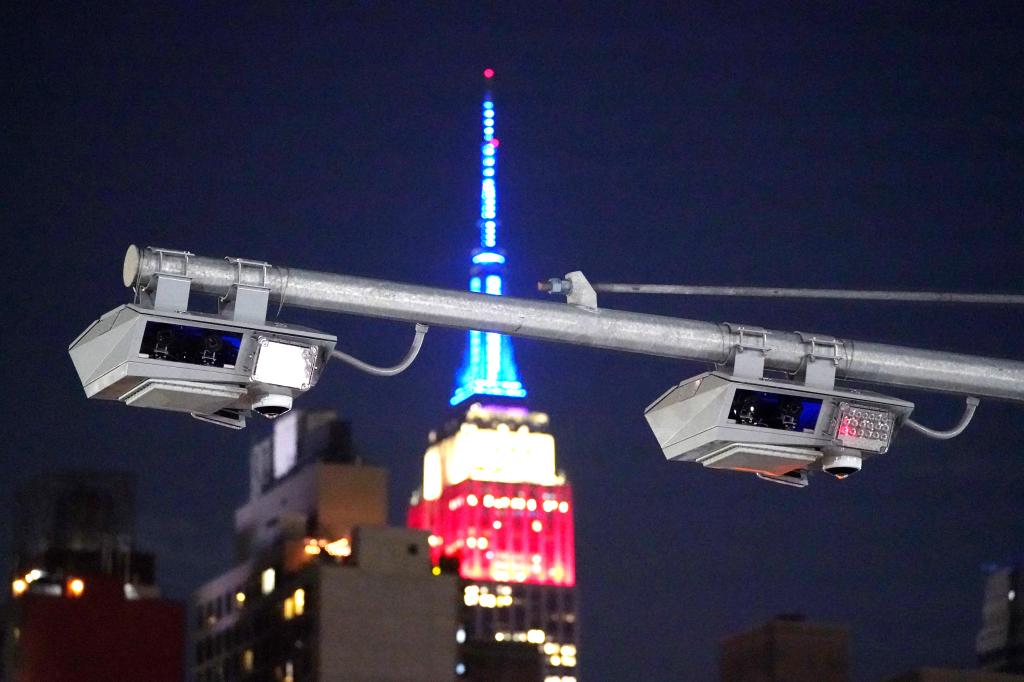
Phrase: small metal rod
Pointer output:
(779, 292)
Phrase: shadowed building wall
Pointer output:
(786, 649)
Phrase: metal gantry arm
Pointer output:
(789, 352)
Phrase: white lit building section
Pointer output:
(490, 454)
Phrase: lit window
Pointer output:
(300, 601)
(537, 526)
(240, 598)
(569, 650)
(555, 660)
(339, 548)
(499, 636)
(460, 669)
(535, 636)
(248, 660)
(471, 500)
(460, 635)
(18, 587)
(267, 580)
(551, 648)
(289, 608)
(563, 507)
(496, 525)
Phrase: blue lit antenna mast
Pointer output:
(489, 365)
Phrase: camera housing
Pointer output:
(215, 368)
(773, 427)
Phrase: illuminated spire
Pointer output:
(489, 365)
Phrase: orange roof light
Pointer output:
(76, 586)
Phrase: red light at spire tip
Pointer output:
(488, 73)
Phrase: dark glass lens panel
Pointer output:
(193, 345)
(774, 410)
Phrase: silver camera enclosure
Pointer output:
(111, 366)
(691, 423)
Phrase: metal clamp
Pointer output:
(750, 349)
(577, 290)
(168, 290)
(243, 263)
(161, 254)
(246, 302)
(822, 359)
(580, 294)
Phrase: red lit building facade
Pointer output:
(84, 604)
(501, 515)
(94, 634)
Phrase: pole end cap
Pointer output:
(132, 261)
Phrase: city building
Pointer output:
(943, 675)
(84, 603)
(499, 513)
(1000, 643)
(323, 590)
(786, 649)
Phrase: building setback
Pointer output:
(323, 590)
(85, 605)
(1000, 643)
(786, 649)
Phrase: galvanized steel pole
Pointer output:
(601, 328)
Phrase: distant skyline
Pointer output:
(855, 147)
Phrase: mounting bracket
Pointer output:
(168, 290)
(749, 351)
(822, 359)
(246, 302)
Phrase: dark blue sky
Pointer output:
(868, 146)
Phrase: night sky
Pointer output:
(856, 146)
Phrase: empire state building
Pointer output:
(499, 512)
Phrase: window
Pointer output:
(267, 580)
